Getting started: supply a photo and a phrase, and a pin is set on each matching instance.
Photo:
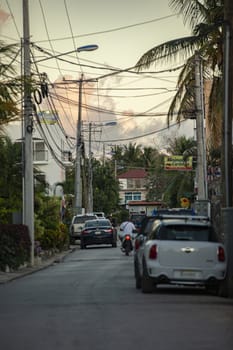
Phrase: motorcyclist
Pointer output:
(127, 228)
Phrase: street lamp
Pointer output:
(91, 47)
(78, 179)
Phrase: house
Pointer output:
(51, 155)
(144, 207)
(132, 185)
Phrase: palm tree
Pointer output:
(180, 183)
(9, 85)
(205, 19)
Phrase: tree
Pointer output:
(9, 85)
(180, 183)
(105, 188)
(205, 19)
(10, 179)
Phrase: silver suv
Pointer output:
(77, 225)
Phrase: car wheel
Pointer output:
(82, 245)
(213, 289)
(147, 282)
(114, 244)
(138, 279)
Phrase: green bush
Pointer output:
(54, 239)
(50, 232)
(14, 246)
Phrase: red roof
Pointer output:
(133, 174)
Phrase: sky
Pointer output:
(123, 30)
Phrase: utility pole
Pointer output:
(90, 175)
(227, 210)
(78, 178)
(201, 143)
(28, 188)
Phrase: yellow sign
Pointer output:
(178, 163)
(184, 202)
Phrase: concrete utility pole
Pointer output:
(90, 175)
(201, 139)
(78, 178)
(227, 211)
(228, 98)
(28, 188)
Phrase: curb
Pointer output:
(6, 277)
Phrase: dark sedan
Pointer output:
(99, 231)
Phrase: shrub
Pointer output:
(14, 246)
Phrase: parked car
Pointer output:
(180, 251)
(98, 231)
(100, 214)
(136, 219)
(77, 225)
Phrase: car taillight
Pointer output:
(84, 232)
(153, 252)
(109, 230)
(221, 254)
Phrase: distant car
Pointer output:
(136, 219)
(77, 225)
(180, 251)
(100, 214)
(99, 231)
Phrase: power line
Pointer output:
(147, 134)
(113, 29)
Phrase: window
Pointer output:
(132, 196)
(138, 183)
(137, 196)
(130, 183)
(40, 179)
(40, 153)
(128, 196)
(183, 233)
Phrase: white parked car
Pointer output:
(181, 251)
(77, 224)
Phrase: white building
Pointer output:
(51, 153)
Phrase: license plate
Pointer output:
(97, 232)
(188, 273)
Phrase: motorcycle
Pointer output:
(127, 244)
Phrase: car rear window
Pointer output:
(82, 219)
(185, 233)
(98, 223)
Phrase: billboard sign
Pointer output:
(178, 163)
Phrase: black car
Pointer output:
(99, 231)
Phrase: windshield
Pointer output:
(97, 223)
(82, 219)
(185, 233)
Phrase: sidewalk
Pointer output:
(6, 277)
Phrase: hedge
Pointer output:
(14, 246)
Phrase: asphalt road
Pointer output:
(89, 301)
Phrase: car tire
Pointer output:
(213, 289)
(82, 245)
(138, 279)
(114, 244)
(147, 281)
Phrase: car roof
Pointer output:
(98, 220)
(186, 220)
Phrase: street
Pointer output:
(89, 301)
